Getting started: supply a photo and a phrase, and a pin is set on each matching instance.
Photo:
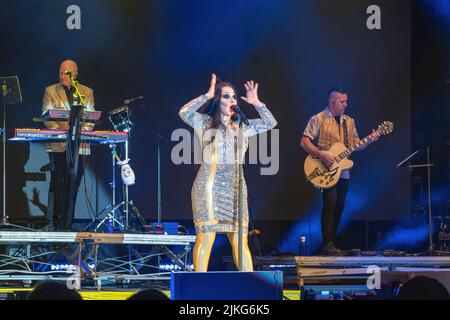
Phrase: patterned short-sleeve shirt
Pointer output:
(312, 131)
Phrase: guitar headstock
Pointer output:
(386, 127)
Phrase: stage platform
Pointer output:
(82, 257)
(106, 262)
(351, 273)
(367, 276)
(306, 267)
(106, 238)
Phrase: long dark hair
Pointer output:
(213, 108)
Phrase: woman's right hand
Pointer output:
(212, 87)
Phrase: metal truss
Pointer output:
(32, 256)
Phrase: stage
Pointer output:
(78, 257)
(30, 256)
(355, 277)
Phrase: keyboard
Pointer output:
(38, 135)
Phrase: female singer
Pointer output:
(215, 192)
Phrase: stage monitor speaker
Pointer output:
(228, 285)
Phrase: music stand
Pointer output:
(407, 163)
(11, 94)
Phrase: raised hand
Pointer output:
(252, 93)
(212, 87)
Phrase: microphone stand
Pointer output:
(427, 165)
(77, 91)
(240, 147)
(159, 138)
(5, 91)
(127, 204)
(72, 156)
(241, 202)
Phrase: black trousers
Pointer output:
(58, 197)
(333, 206)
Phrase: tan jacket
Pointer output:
(55, 98)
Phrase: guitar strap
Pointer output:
(344, 127)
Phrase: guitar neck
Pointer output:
(350, 150)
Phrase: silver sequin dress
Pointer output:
(215, 192)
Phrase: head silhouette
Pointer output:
(423, 288)
(149, 294)
(53, 290)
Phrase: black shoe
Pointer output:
(331, 250)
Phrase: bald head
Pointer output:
(67, 65)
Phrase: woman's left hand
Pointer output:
(252, 93)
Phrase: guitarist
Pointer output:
(322, 131)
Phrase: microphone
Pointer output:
(128, 101)
(241, 115)
(70, 74)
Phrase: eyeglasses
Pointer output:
(228, 96)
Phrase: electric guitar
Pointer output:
(324, 177)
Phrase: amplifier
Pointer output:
(337, 292)
(226, 285)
